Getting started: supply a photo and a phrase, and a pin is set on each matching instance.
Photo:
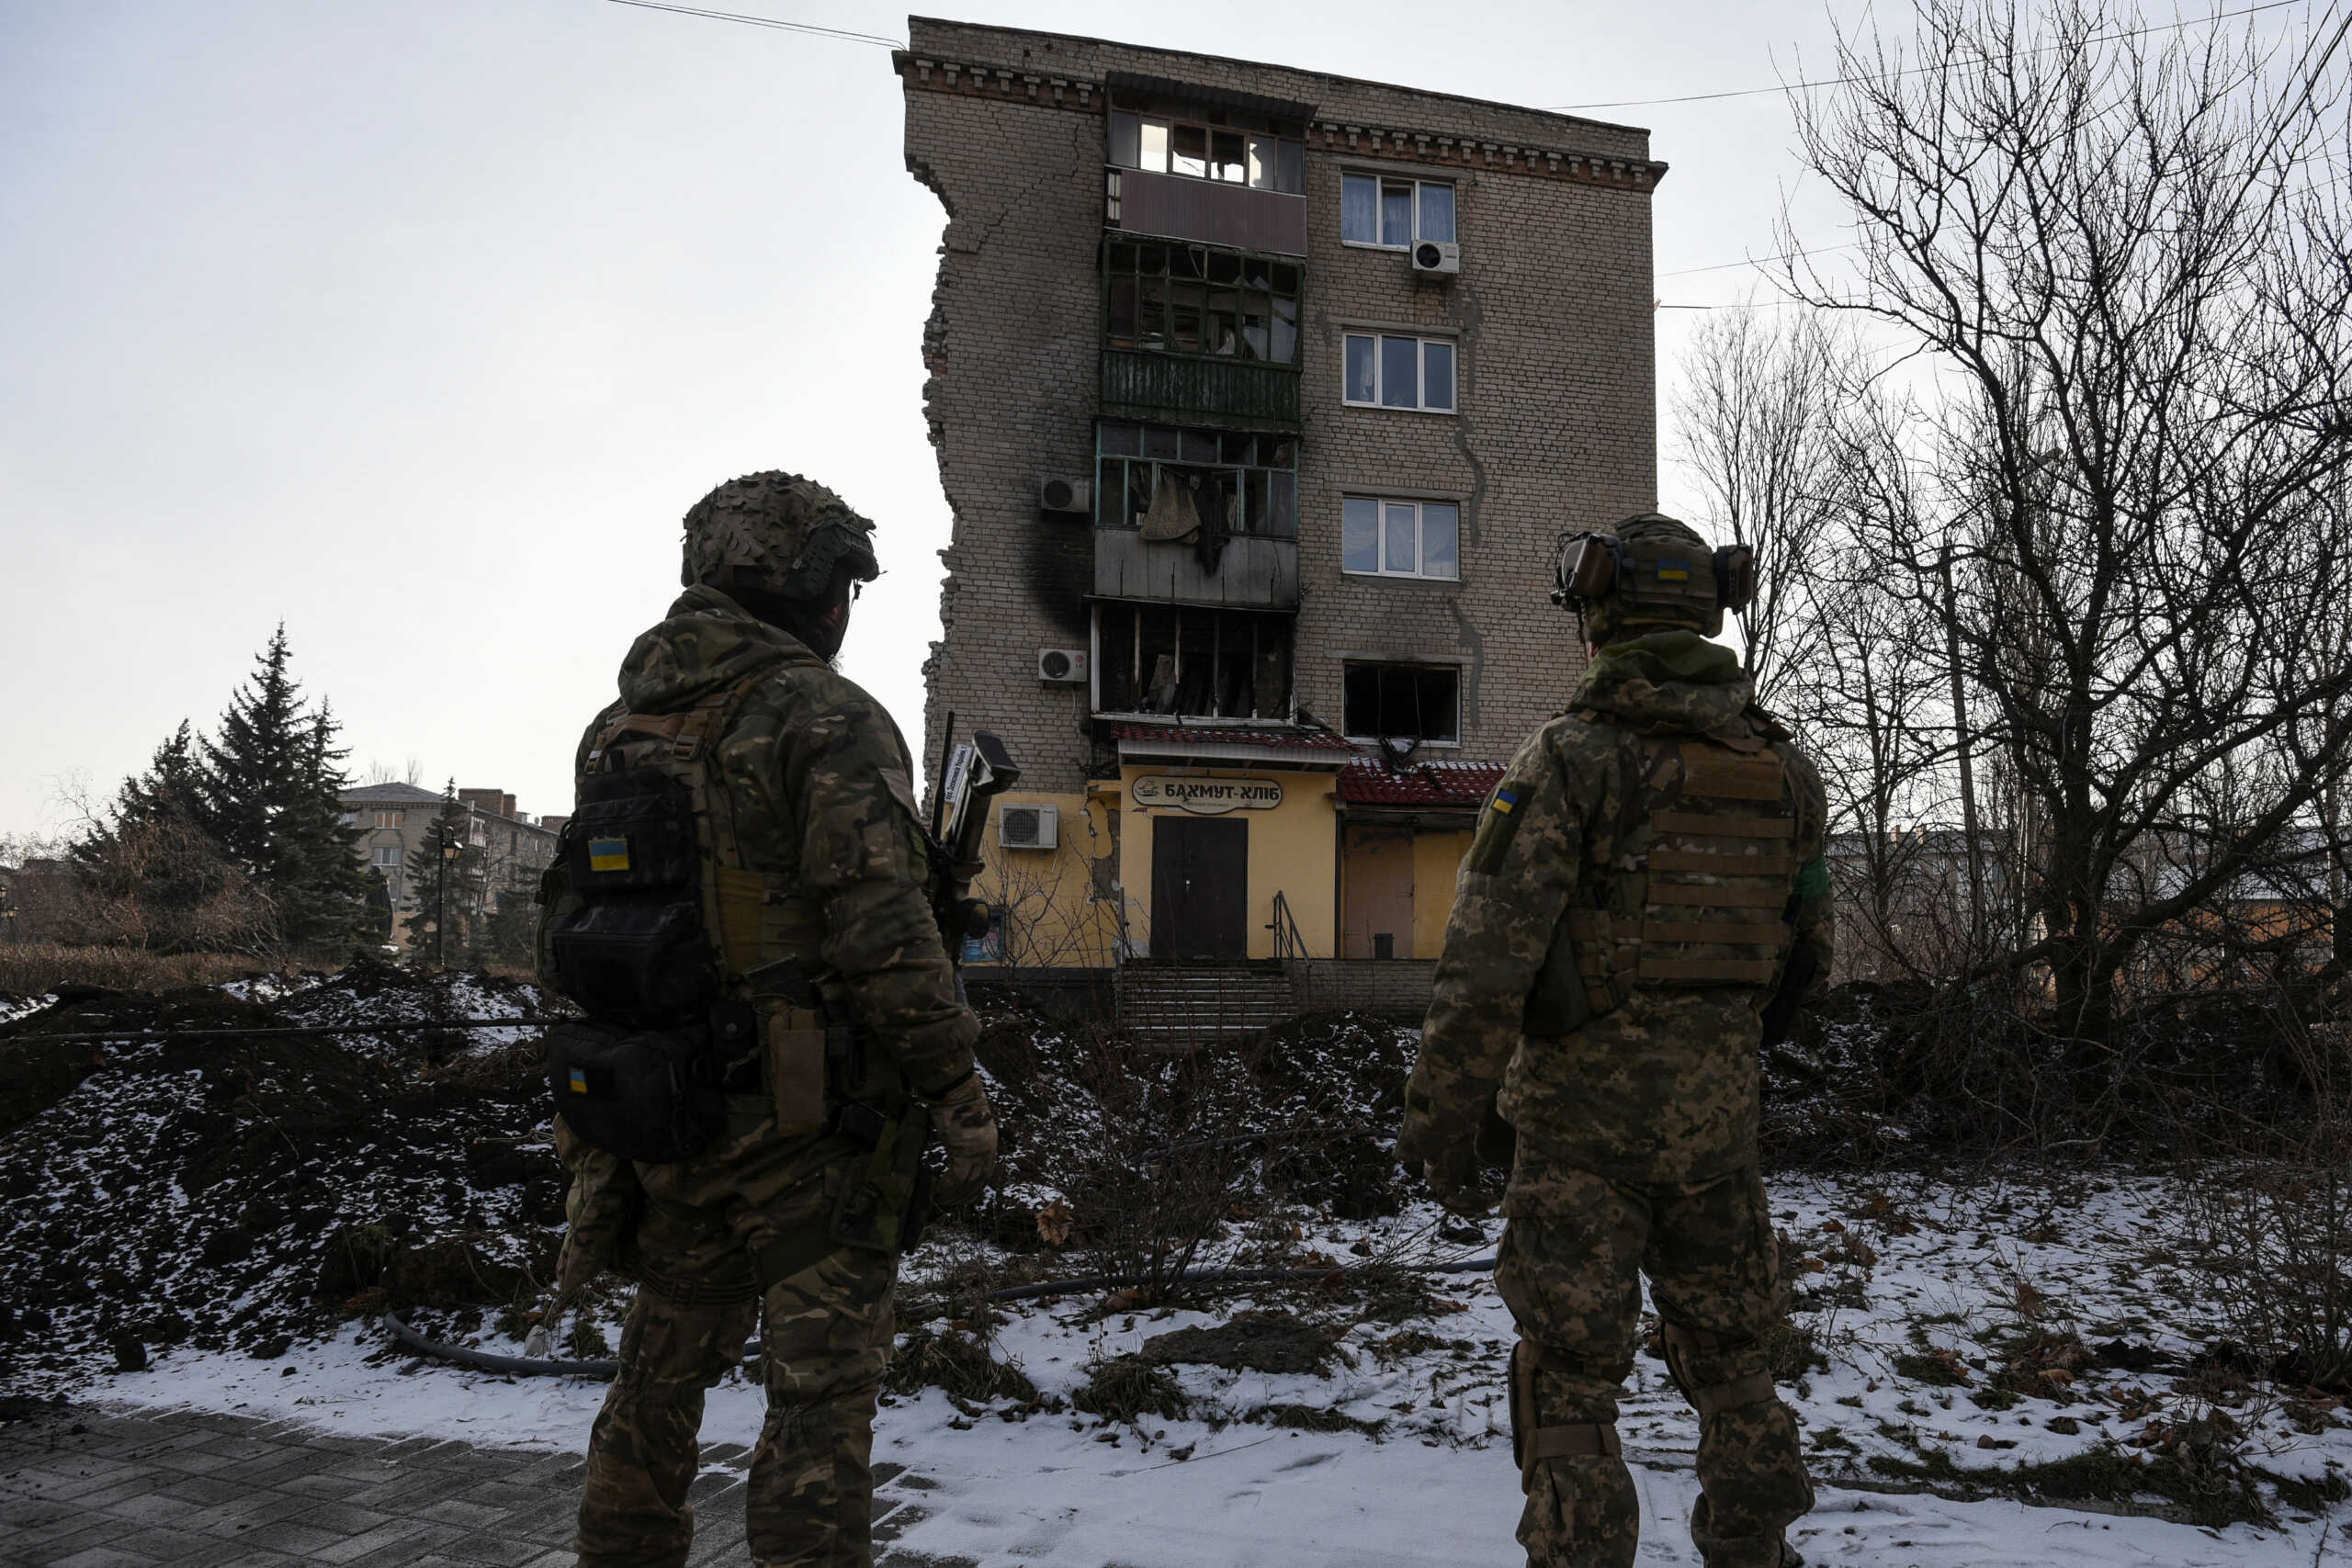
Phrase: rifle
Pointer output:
(971, 774)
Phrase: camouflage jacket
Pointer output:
(822, 791)
(1662, 1088)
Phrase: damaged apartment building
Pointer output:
(1261, 399)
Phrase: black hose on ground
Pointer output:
(1233, 1275)
(605, 1371)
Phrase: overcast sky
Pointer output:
(417, 325)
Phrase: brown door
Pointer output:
(1200, 887)
(1376, 918)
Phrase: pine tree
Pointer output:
(156, 876)
(270, 793)
(449, 892)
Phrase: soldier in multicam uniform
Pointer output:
(823, 878)
(1644, 900)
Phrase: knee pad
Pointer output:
(1533, 1442)
(1682, 1344)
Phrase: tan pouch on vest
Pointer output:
(794, 1039)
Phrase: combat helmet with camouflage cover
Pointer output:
(1652, 573)
(778, 534)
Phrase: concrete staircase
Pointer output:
(1188, 1007)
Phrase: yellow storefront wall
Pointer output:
(1052, 915)
(1293, 850)
(1436, 863)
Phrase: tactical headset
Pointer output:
(1600, 566)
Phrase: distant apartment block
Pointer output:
(395, 819)
(1260, 398)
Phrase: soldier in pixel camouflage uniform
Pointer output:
(1645, 898)
(823, 881)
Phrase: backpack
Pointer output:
(629, 929)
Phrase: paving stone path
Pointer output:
(82, 1487)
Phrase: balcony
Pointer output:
(1177, 207)
(1256, 572)
(1172, 388)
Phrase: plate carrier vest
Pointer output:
(1693, 885)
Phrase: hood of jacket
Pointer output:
(1673, 682)
(706, 643)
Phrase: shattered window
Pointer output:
(1252, 479)
(1257, 155)
(1192, 663)
(1200, 300)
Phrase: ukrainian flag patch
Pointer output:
(579, 1081)
(1673, 571)
(608, 855)
(1506, 801)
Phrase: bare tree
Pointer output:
(1755, 420)
(2125, 253)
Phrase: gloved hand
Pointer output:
(966, 1128)
(1457, 1179)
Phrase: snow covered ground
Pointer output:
(1933, 1306)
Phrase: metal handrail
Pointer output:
(1289, 941)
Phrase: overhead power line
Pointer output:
(1912, 71)
(765, 22)
(1758, 261)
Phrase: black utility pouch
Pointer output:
(628, 943)
(651, 1096)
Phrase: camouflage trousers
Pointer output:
(1570, 1271)
(825, 1336)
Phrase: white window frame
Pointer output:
(1256, 146)
(1380, 538)
(1420, 372)
(1380, 180)
(378, 858)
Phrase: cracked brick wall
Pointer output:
(1556, 427)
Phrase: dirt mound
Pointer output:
(240, 1192)
(1306, 1114)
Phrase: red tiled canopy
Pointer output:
(1457, 786)
(1206, 735)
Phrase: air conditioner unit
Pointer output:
(1438, 258)
(1062, 666)
(1027, 827)
(1065, 495)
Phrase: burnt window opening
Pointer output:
(1392, 701)
(1253, 479)
(1192, 663)
(1173, 298)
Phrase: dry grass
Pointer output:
(29, 969)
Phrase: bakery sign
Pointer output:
(1207, 798)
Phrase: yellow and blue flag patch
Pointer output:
(1506, 800)
(1673, 569)
(608, 855)
(579, 1081)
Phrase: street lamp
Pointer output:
(449, 851)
